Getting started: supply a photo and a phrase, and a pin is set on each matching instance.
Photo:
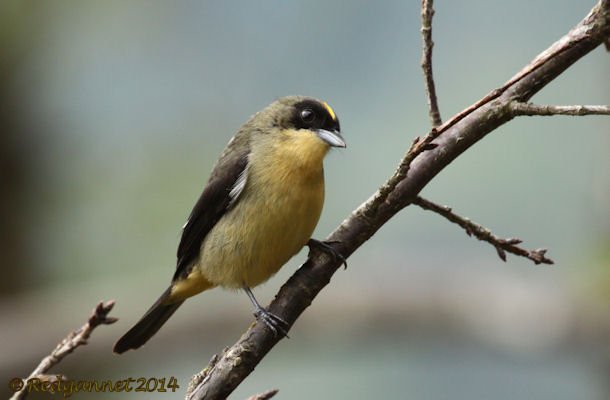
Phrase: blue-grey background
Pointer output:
(114, 113)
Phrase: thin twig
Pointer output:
(502, 246)
(264, 396)
(427, 12)
(74, 339)
(520, 108)
(197, 382)
(417, 147)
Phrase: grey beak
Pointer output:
(333, 138)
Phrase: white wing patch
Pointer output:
(238, 187)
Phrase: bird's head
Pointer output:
(303, 118)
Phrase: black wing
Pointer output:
(215, 200)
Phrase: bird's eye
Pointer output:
(307, 115)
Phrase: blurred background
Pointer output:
(113, 113)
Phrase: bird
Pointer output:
(260, 206)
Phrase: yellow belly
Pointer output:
(274, 218)
(264, 230)
(251, 243)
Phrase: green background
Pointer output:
(114, 113)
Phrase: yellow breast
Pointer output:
(275, 215)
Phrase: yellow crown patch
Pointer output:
(330, 111)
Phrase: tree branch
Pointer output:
(472, 228)
(74, 339)
(452, 138)
(264, 396)
(519, 108)
(427, 12)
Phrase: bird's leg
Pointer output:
(327, 248)
(273, 322)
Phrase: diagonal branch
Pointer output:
(519, 108)
(427, 12)
(502, 246)
(452, 138)
(592, 28)
(74, 339)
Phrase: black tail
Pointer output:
(148, 325)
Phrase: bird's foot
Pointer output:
(276, 324)
(326, 246)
